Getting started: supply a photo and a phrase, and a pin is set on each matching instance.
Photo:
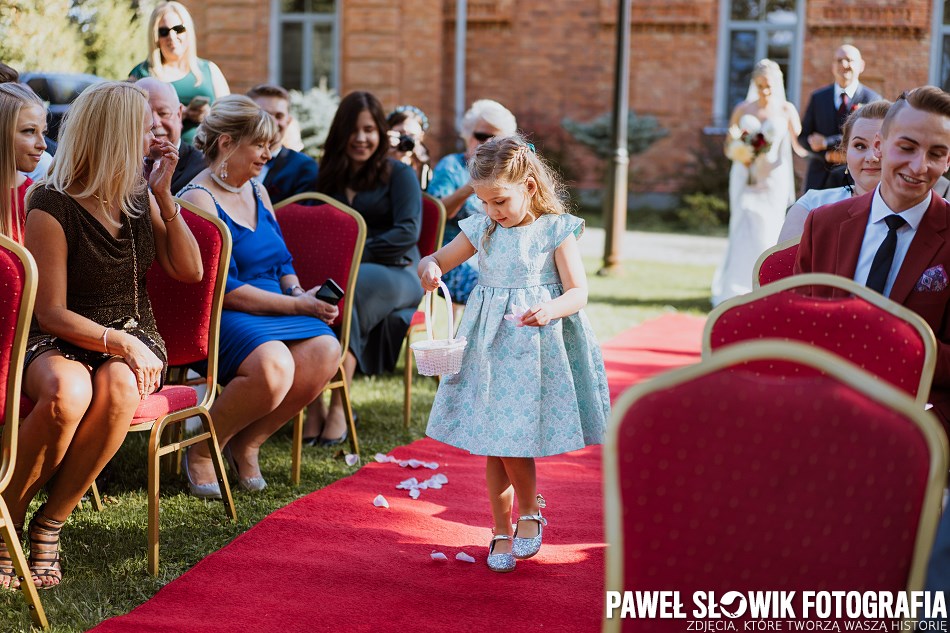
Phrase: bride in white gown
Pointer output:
(757, 201)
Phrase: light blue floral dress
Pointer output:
(522, 391)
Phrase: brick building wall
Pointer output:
(550, 59)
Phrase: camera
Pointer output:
(406, 143)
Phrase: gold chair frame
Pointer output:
(846, 285)
(826, 362)
(407, 362)
(781, 246)
(339, 379)
(11, 428)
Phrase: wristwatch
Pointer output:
(290, 291)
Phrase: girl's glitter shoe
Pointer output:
(500, 562)
(528, 547)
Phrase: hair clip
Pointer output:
(531, 147)
(411, 109)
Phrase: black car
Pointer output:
(58, 90)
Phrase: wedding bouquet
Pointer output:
(749, 140)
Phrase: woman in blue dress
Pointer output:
(270, 326)
(356, 169)
(486, 119)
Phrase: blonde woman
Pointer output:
(94, 351)
(277, 349)
(173, 58)
(22, 124)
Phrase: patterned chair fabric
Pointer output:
(776, 263)
(857, 324)
(720, 480)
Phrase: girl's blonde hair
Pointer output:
(13, 98)
(100, 147)
(238, 117)
(155, 62)
(510, 160)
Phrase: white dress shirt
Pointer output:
(876, 231)
(266, 168)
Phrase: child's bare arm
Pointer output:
(570, 267)
(432, 267)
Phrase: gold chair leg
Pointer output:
(154, 467)
(30, 594)
(296, 448)
(95, 497)
(407, 387)
(348, 413)
(218, 463)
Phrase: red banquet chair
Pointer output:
(718, 480)
(326, 241)
(776, 263)
(18, 283)
(430, 239)
(862, 326)
(188, 317)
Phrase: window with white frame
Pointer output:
(940, 48)
(305, 43)
(751, 30)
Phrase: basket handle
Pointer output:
(427, 308)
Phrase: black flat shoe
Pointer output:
(323, 441)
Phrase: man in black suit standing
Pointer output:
(166, 121)
(827, 109)
(288, 172)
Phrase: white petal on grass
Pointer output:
(380, 502)
(438, 556)
(462, 556)
(351, 459)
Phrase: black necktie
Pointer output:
(884, 257)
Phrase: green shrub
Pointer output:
(642, 132)
(702, 213)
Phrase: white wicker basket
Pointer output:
(439, 357)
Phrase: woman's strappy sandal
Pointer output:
(528, 547)
(7, 570)
(44, 550)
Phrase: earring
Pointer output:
(224, 170)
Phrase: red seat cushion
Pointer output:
(170, 399)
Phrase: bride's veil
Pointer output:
(767, 68)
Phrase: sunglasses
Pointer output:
(163, 31)
(482, 137)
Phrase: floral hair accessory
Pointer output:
(413, 110)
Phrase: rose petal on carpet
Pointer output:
(332, 561)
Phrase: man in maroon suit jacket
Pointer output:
(843, 238)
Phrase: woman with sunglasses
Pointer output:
(173, 58)
(484, 120)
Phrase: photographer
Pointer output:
(407, 127)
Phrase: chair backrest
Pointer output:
(718, 480)
(862, 326)
(188, 315)
(326, 241)
(776, 263)
(433, 225)
(18, 284)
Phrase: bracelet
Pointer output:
(105, 340)
(176, 214)
(290, 291)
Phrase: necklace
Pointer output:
(220, 182)
(133, 322)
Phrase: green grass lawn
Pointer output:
(104, 553)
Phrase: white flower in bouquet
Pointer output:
(739, 151)
(750, 124)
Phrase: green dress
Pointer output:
(187, 90)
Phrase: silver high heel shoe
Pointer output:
(202, 491)
(528, 547)
(251, 484)
(500, 562)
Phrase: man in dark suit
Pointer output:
(166, 121)
(897, 239)
(827, 109)
(288, 172)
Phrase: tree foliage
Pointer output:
(40, 36)
(104, 37)
(642, 132)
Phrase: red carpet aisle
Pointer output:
(333, 562)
